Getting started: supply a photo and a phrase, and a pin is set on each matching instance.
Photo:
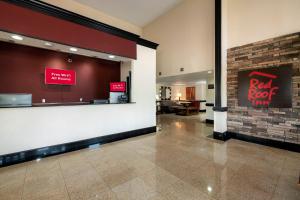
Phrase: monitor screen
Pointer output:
(118, 86)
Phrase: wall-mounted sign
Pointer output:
(118, 87)
(60, 77)
(210, 86)
(268, 87)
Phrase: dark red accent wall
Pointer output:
(22, 71)
(27, 22)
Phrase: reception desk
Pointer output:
(47, 129)
(28, 128)
(62, 74)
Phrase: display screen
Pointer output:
(118, 87)
(60, 77)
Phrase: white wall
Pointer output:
(92, 13)
(125, 68)
(254, 20)
(186, 38)
(210, 93)
(29, 128)
(210, 98)
(201, 94)
(178, 89)
(200, 91)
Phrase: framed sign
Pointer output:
(268, 87)
(60, 77)
(118, 86)
(210, 86)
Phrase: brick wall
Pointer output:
(271, 123)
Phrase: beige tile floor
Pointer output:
(177, 163)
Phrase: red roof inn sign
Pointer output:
(268, 87)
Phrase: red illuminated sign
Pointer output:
(118, 87)
(60, 77)
(269, 87)
(260, 92)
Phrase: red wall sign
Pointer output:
(60, 77)
(268, 87)
(118, 87)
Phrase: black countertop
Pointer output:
(60, 104)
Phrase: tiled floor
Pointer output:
(177, 163)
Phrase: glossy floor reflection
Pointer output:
(177, 163)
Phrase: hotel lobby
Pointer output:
(149, 100)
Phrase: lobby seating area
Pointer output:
(185, 108)
(169, 106)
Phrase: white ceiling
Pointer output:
(138, 12)
(186, 79)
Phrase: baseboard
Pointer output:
(202, 110)
(24, 156)
(209, 121)
(267, 142)
(221, 136)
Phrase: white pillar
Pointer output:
(220, 118)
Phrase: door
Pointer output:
(190, 93)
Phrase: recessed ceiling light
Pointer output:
(209, 72)
(111, 56)
(17, 37)
(73, 49)
(48, 44)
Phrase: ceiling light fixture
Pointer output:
(209, 72)
(17, 37)
(73, 49)
(111, 56)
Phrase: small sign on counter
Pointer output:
(118, 87)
